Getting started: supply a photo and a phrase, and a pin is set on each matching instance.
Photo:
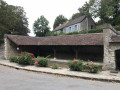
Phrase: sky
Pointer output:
(49, 8)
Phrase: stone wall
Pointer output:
(109, 49)
(91, 23)
(10, 48)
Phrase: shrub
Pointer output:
(117, 27)
(25, 59)
(76, 65)
(93, 68)
(98, 30)
(55, 66)
(22, 53)
(31, 54)
(14, 59)
(42, 62)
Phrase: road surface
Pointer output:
(13, 79)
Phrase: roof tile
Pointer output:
(86, 39)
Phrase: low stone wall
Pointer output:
(110, 48)
(10, 49)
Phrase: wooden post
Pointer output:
(54, 54)
(76, 51)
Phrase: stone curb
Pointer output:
(62, 74)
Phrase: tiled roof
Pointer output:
(85, 39)
(60, 26)
(23, 40)
(71, 22)
(75, 21)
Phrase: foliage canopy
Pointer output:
(41, 27)
(59, 20)
(12, 20)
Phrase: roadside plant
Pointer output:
(93, 68)
(31, 54)
(36, 63)
(22, 53)
(55, 66)
(14, 59)
(25, 59)
(42, 61)
(76, 65)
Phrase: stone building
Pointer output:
(103, 47)
(77, 24)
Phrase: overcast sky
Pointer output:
(49, 8)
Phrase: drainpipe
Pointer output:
(87, 24)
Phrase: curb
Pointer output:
(64, 75)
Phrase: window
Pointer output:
(75, 27)
(64, 30)
(70, 29)
(91, 26)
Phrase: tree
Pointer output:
(12, 20)
(41, 27)
(107, 10)
(21, 26)
(84, 10)
(59, 20)
(51, 33)
(75, 15)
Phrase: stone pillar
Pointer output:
(109, 55)
(10, 49)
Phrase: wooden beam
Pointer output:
(76, 53)
(54, 54)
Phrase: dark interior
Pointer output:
(93, 53)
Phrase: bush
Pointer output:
(98, 30)
(25, 59)
(93, 68)
(14, 59)
(42, 62)
(22, 53)
(76, 65)
(55, 66)
(117, 27)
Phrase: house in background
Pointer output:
(78, 24)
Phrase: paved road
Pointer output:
(12, 79)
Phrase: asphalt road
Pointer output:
(12, 79)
